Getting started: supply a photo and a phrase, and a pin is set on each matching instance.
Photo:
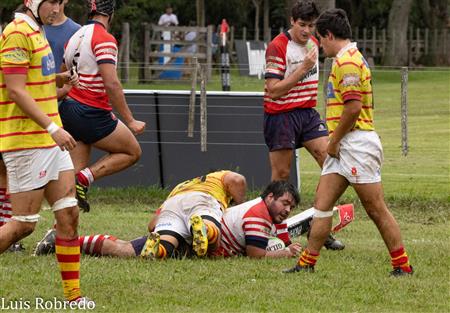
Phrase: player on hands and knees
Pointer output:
(354, 150)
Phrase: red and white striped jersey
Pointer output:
(246, 224)
(89, 47)
(283, 56)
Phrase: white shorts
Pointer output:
(32, 169)
(360, 158)
(176, 212)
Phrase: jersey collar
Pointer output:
(351, 45)
(28, 20)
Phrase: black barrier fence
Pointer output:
(235, 139)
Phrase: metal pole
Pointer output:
(404, 110)
(158, 138)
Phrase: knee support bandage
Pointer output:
(64, 203)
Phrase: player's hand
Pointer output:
(136, 127)
(69, 77)
(333, 149)
(295, 249)
(310, 59)
(63, 139)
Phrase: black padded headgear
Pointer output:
(102, 7)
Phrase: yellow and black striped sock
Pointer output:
(308, 258)
(68, 256)
(212, 233)
(162, 252)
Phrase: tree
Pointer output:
(257, 5)
(397, 46)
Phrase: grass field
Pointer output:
(353, 280)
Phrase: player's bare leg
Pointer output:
(123, 148)
(317, 147)
(372, 198)
(331, 187)
(25, 204)
(280, 163)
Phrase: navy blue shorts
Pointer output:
(86, 123)
(289, 130)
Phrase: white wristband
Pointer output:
(52, 128)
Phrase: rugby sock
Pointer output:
(399, 258)
(2, 199)
(92, 245)
(212, 233)
(162, 251)
(85, 177)
(5, 208)
(308, 258)
(68, 256)
(282, 233)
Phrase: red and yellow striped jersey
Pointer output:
(211, 184)
(25, 50)
(350, 79)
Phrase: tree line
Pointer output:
(258, 15)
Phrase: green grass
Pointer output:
(352, 280)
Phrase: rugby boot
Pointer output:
(199, 236)
(16, 247)
(398, 271)
(151, 247)
(333, 244)
(47, 244)
(83, 203)
(299, 268)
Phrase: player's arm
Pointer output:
(257, 252)
(349, 116)
(277, 88)
(15, 85)
(236, 186)
(115, 93)
(349, 77)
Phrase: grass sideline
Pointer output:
(353, 280)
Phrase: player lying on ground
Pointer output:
(205, 198)
(110, 246)
(246, 229)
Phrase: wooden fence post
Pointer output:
(125, 45)
(147, 48)
(383, 44)
(203, 112)
(191, 118)
(404, 110)
(417, 44)
(426, 40)
(410, 45)
(244, 33)
(365, 41)
(374, 41)
(209, 51)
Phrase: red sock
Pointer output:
(5, 209)
(308, 258)
(2, 199)
(85, 177)
(68, 256)
(400, 259)
(92, 245)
